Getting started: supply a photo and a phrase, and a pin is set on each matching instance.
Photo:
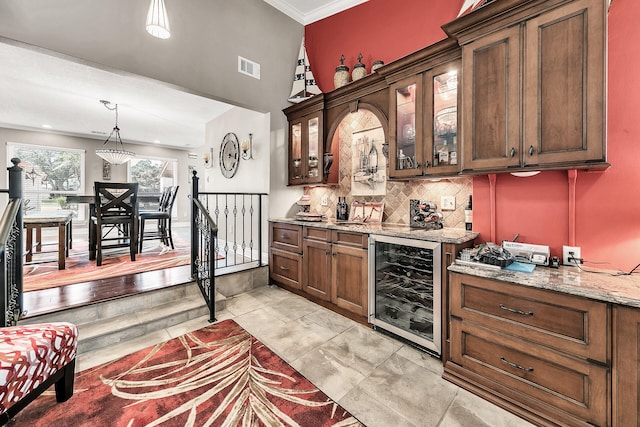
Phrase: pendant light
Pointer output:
(157, 20)
(116, 155)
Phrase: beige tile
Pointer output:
(421, 396)
(243, 303)
(421, 358)
(296, 338)
(470, 410)
(330, 320)
(371, 412)
(259, 322)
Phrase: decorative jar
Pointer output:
(376, 64)
(359, 70)
(341, 77)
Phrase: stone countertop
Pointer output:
(445, 235)
(602, 285)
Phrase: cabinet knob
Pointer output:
(513, 152)
(531, 150)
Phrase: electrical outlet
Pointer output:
(568, 259)
(448, 203)
(325, 200)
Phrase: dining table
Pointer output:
(143, 199)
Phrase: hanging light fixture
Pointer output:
(117, 155)
(157, 20)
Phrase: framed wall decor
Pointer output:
(106, 170)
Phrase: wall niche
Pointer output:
(397, 193)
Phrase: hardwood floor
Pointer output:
(79, 294)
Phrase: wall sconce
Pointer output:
(208, 158)
(247, 148)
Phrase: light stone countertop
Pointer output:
(445, 235)
(602, 286)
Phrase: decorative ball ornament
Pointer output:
(229, 155)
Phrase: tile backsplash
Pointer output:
(398, 193)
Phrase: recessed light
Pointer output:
(156, 141)
(47, 126)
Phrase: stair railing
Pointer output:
(237, 241)
(11, 251)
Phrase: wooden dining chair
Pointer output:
(115, 221)
(163, 216)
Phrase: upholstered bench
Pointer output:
(32, 358)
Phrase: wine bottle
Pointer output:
(468, 215)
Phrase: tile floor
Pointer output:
(380, 380)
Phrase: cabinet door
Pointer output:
(349, 279)
(305, 150)
(441, 155)
(626, 367)
(317, 269)
(491, 101)
(405, 128)
(565, 85)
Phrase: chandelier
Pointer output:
(157, 20)
(116, 155)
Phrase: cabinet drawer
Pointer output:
(533, 375)
(285, 268)
(320, 234)
(286, 237)
(570, 324)
(347, 238)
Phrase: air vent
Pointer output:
(248, 67)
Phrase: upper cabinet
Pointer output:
(306, 147)
(519, 85)
(423, 112)
(534, 86)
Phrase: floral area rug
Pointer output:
(219, 375)
(115, 262)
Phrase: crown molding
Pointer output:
(305, 18)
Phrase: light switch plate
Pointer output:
(448, 203)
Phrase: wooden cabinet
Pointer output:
(285, 254)
(317, 263)
(326, 265)
(626, 366)
(423, 114)
(349, 275)
(306, 142)
(541, 354)
(534, 86)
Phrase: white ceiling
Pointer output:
(40, 89)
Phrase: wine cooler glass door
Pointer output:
(405, 288)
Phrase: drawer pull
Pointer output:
(282, 267)
(514, 310)
(515, 365)
(284, 237)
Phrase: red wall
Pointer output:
(607, 220)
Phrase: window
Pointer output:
(50, 174)
(153, 175)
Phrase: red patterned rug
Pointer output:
(219, 376)
(115, 262)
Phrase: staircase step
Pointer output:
(108, 323)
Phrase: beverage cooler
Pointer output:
(405, 289)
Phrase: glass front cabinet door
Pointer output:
(405, 128)
(424, 123)
(305, 146)
(441, 120)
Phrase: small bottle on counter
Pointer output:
(468, 215)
